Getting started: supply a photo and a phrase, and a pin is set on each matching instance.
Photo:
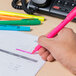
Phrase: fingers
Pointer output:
(50, 58)
(46, 55)
(41, 51)
(45, 42)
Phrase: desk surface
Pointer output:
(49, 69)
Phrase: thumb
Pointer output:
(46, 42)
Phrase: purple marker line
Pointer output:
(24, 51)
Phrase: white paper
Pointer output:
(17, 63)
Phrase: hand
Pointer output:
(61, 48)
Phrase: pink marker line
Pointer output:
(24, 51)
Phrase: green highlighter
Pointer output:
(31, 21)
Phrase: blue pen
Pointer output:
(14, 28)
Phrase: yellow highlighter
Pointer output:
(21, 15)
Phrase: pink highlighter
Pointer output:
(69, 17)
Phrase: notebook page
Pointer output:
(17, 63)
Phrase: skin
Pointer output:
(62, 48)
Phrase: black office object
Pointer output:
(58, 8)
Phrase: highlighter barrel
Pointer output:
(14, 28)
(69, 17)
(21, 22)
(22, 15)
